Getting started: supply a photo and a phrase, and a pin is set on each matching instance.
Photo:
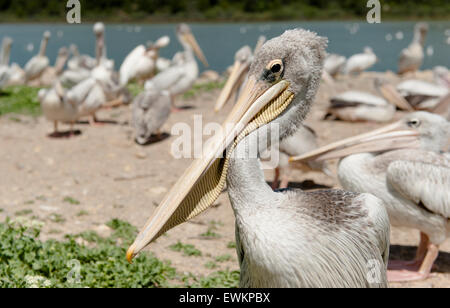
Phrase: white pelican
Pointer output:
(402, 164)
(442, 76)
(151, 109)
(286, 238)
(242, 61)
(356, 106)
(360, 62)
(36, 65)
(50, 74)
(411, 58)
(420, 94)
(334, 64)
(5, 70)
(179, 78)
(140, 63)
(80, 61)
(56, 107)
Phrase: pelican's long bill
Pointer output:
(190, 39)
(394, 136)
(236, 78)
(203, 181)
(392, 96)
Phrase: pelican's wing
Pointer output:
(422, 182)
(128, 68)
(356, 98)
(166, 79)
(36, 66)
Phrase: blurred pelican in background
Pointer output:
(178, 79)
(140, 63)
(360, 62)
(37, 65)
(51, 73)
(411, 58)
(5, 70)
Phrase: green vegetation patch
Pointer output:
(187, 249)
(220, 279)
(19, 100)
(25, 261)
(203, 87)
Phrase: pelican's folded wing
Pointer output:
(425, 183)
(166, 79)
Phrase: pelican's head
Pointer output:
(418, 130)
(47, 35)
(286, 71)
(420, 32)
(99, 28)
(242, 60)
(186, 37)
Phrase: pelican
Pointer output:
(442, 76)
(420, 94)
(355, 106)
(334, 64)
(5, 70)
(286, 238)
(151, 109)
(140, 63)
(56, 107)
(179, 78)
(36, 65)
(79, 61)
(242, 61)
(411, 58)
(50, 74)
(360, 62)
(402, 164)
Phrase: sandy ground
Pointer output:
(112, 177)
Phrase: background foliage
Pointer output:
(228, 10)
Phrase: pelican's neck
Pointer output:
(188, 51)
(43, 47)
(245, 180)
(419, 38)
(4, 59)
(100, 48)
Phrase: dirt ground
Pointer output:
(112, 177)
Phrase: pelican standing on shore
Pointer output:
(411, 58)
(51, 73)
(178, 79)
(151, 109)
(37, 65)
(402, 164)
(5, 70)
(140, 63)
(285, 238)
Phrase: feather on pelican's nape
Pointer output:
(287, 238)
(403, 165)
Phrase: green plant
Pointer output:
(25, 261)
(220, 279)
(223, 258)
(71, 200)
(187, 249)
(19, 100)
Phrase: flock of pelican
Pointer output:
(399, 174)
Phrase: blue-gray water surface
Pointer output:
(221, 41)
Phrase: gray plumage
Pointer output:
(151, 109)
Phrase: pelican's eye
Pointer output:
(414, 123)
(276, 66)
(273, 71)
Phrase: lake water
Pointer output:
(221, 41)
